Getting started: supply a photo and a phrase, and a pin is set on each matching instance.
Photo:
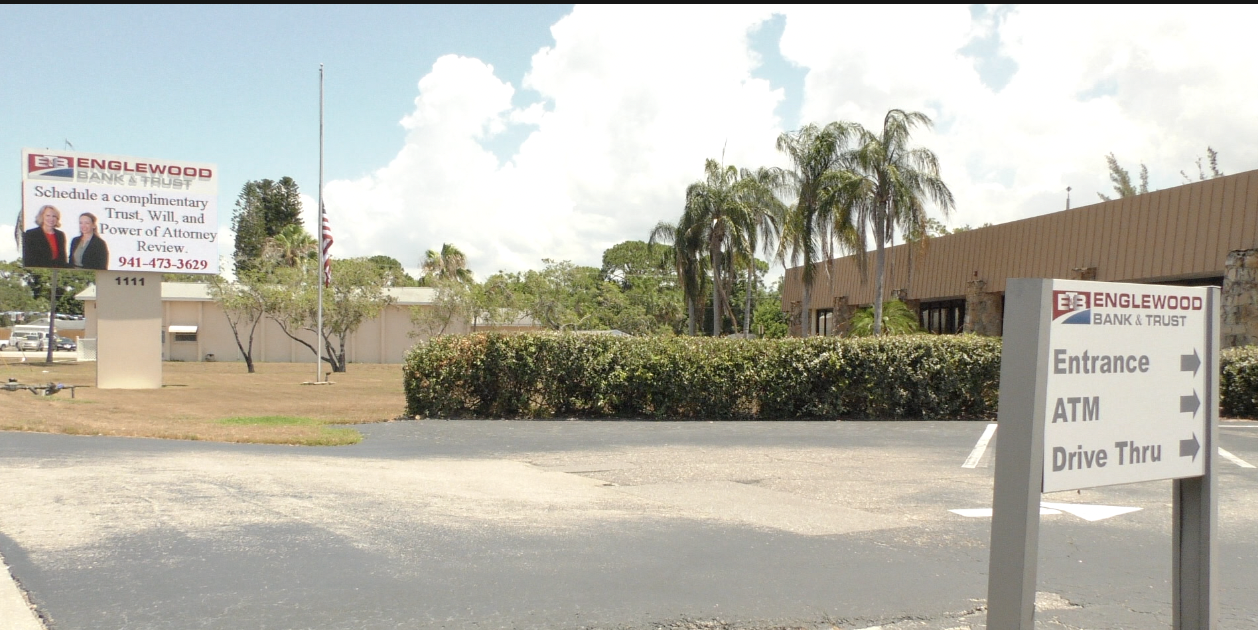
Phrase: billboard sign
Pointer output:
(118, 213)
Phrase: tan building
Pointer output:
(1204, 233)
(194, 328)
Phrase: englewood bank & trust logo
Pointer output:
(49, 167)
(1105, 308)
(91, 170)
(1079, 303)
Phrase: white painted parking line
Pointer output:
(980, 447)
(1234, 459)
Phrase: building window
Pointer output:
(946, 317)
(186, 337)
(1194, 282)
(825, 322)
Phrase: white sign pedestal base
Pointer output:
(128, 330)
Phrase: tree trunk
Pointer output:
(751, 279)
(908, 283)
(331, 359)
(891, 243)
(715, 253)
(729, 310)
(690, 310)
(807, 304)
(340, 357)
(727, 296)
(247, 353)
(880, 261)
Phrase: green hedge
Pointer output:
(567, 375)
(1238, 385)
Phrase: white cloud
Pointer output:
(622, 110)
(625, 107)
(1157, 90)
(8, 246)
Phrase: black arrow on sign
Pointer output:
(1189, 362)
(1189, 448)
(1190, 403)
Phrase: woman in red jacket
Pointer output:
(44, 245)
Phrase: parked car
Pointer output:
(30, 341)
(65, 343)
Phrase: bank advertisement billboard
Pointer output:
(118, 213)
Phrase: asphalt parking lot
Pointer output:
(451, 524)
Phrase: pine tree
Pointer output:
(263, 210)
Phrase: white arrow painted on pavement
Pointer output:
(1091, 512)
(1082, 510)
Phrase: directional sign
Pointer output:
(1124, 384)
(1100, 384)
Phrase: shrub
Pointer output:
(897, 319)
(1238, 383)
(565, 375)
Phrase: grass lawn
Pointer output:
(207, 401)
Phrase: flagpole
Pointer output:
(320, 273)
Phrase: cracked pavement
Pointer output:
(609, 525)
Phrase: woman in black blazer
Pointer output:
(44, 245)
(88, 250)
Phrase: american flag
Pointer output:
(17, 229)
(327, 247)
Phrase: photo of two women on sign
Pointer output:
(45, 244)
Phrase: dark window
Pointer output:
(825, 322)
(1195, 282)
(945, 317)
(185, 337)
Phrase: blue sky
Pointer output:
(239, 86)
(521, 133)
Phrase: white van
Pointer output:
(24, 331)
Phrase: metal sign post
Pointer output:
(1103, 384)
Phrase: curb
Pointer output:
(15, 611)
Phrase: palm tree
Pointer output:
(764, 214)
(687, 243)
(820, 216)
(450, 264)
(897, 319)
(896, 182)
(290, 245)
(713, 209)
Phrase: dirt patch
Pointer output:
(196, 396)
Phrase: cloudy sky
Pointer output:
(525, 133)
